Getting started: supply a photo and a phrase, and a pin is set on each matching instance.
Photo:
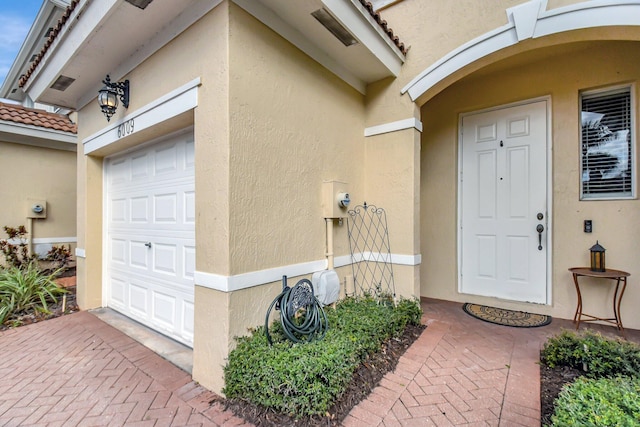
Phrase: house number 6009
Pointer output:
(125, 128)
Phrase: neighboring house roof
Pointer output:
(38, 118)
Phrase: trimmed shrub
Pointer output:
(305, 379)
(596, 355)
(604, 402)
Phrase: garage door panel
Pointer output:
(119, 209)
(166, 160)
(118, 291)
(138, 299)
(165, 258)
(139, 209)
(164, 309)
(165, 208)
(139, 254)
(119, 251)
(151, 234)
(189, 262)
(187, 319)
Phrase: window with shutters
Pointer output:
(607, 148)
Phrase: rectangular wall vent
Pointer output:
(62, 83)
(330, 23)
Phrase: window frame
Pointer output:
(611, 90)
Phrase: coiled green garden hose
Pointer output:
(302, 317)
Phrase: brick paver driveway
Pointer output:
(77, 370)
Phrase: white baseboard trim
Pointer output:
(44, 240)
(256, 278)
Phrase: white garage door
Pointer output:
(151, 235)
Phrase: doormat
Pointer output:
(500, 316)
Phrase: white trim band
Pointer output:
(260, 277)
(43, 240)
(411, 123)
(55, 240)
(172, 104)
(80, 253)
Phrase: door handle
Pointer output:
(148, 244)
(540, 229)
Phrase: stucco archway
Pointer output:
(530, 26)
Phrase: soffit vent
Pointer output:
(330, 23)
(62, 83)
(139, 3)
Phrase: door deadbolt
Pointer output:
(540, 216)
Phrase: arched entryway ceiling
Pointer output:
(528, 23)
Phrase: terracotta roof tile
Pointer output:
(52, 36)
(395, 39)
(40, 118)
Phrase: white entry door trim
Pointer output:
(547, 221)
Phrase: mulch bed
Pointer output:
(551, 382)
(364, 380)
(64, 306)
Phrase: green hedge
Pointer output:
(604, 402)
(591, 352)
(305, 379)
(609, 393)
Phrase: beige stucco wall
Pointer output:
(271, 125)
(39, 173)
(292, 125)
(560, 75)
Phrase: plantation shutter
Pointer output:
(606, 157)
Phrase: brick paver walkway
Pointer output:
(78, 371)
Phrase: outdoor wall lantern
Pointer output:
(109, 94)
(597, 257)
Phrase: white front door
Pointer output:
(503, 199)
(150, 218)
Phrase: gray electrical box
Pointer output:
(36, 208)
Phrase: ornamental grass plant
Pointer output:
(26, 289)
(305, 379)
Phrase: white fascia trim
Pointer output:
(358, 20)
(64, 47)
(178, 25)
(39, 137)
(260, 277)
(172, 104)
(528, 20)
(411, 123)
(273, 21)
(80, 253)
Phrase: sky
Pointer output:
(16, 17)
